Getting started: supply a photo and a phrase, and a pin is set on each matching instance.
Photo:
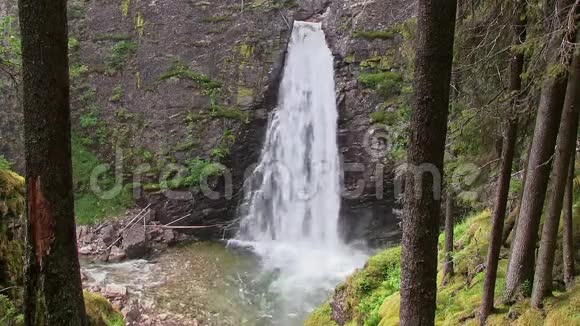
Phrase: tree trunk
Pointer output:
(434, 53)
(449, 223)
(508, 150)
(53, 293)
(566, 143)
(495, 240)
(568, 232)
(520, 271)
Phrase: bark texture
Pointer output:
(568, 232)
(434, 52)
(566, 144)
(495, 240)
(508, 149)
(520, 271)
(53, 294)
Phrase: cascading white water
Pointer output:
(290, 215)
(299, 195)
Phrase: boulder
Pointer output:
(116, 254)
(108, 234)
(135, 242)
(131, 313)
(169, 236)
(115, 291)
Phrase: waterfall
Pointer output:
(291, 209)
(298, 197)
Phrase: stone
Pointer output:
(115, 290)
(168, 236)
(116, 254)
(108, 234)
(131, 313)
(135, 242)
(86, 250)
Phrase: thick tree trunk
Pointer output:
(434, 53)
(568, 232)
(449, 223)
(520, 271)
(508, 150)
(566, 143)
(53, 294)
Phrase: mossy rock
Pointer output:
(100, 312)
(12, 200)
(11, 194)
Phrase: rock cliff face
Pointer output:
(178, 86)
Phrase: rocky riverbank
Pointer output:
(134, 235)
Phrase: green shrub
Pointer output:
(9, 315)
(89, 120)
(117, 94)
(73, 44)
(118, 56)
(197, 170)
(386, 83)
(77, 70)
(4, 163)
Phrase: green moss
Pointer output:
(375, 35)
(120, 53)
(139, 23)
(179, 70)
(9, 314)
(11, 193)
(382, 62)
(386, 83)
(245, 50)
(4, 163)
(197, 170)
(117, 94)
(100, 312)
(384, 117)
(218, 111)
(77, 70)
(351, 58)
(321, 316)
(125, 7)
(245, 95)
(92, 206)
(12, 204)
(73, 44)
(366, 289)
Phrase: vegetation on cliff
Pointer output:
(370, 296)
